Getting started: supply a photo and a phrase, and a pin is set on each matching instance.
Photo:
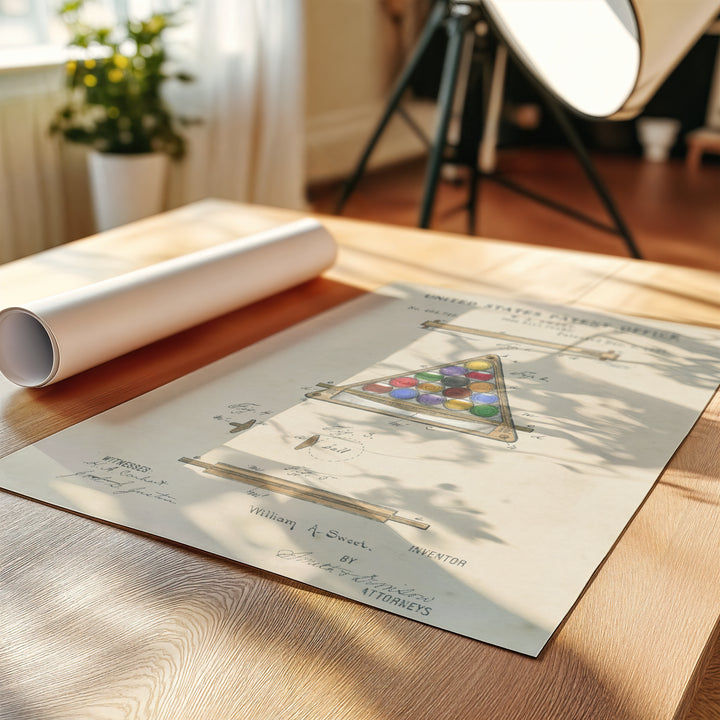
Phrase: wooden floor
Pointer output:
(672, 212)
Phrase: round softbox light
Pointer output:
(602, 58)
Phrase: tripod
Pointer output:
(460, 18)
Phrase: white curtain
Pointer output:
(32, 214)
(248, 59)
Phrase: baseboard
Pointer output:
(336, 139)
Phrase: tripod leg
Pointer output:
(491, 127)
(589, 168)
(434, 21)
(483, 130)
(473, 200)
(456, 27)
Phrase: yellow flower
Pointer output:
(115, 75)
(90, 81)
(89, 64)
(70, 67)
(155, 24)
(120, 61)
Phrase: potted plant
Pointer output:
(114, 85)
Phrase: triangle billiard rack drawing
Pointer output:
(467, 395)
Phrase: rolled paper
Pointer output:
(52, 338)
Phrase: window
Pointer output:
(31, 33)
(26, 24)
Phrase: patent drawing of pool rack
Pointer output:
(467, 395)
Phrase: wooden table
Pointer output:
(98, 622)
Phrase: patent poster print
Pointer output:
(462, 461)
(503, 450)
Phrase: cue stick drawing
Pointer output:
(304, 492)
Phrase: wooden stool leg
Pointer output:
(694, 156)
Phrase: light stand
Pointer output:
(460, 18)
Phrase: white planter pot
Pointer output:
(126, 187)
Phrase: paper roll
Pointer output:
(53, 338)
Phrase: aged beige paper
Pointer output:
(459, 460)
